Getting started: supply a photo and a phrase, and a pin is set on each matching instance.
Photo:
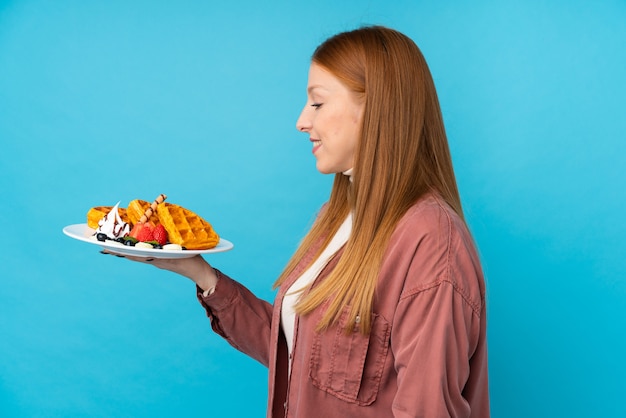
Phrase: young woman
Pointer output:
(381, 310)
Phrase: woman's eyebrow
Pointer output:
(315, 87)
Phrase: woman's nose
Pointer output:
(303, 123)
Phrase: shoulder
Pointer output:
(430, 219)
(435, 248)
(430, 212)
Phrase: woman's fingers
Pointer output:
(185, 266)
(132, 258)
(195, 268)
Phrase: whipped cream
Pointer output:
(112, 225)
(172, 247)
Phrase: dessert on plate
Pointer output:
(152, 225)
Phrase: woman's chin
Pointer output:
(330, 168)
(324, 170)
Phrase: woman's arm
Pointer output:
(435, 334)
(239, 317)
(235, 313)
(439, 327)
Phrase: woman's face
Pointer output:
(332, 117)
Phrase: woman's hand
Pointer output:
(195, 268)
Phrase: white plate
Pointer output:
(82, 232)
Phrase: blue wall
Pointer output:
(108, 101)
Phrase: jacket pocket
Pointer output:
(350, 367)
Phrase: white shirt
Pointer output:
(287, 314)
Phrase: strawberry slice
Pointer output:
(143, 232)
(160, 234)
(134, 230)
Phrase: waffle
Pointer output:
(186, 228)
(135, 210)
(96, 213)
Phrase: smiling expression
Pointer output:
(332, 117)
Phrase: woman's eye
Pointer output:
(316, 105)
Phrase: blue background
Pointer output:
(109, 101)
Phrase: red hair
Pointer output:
(402, 154)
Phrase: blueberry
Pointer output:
(101, 237)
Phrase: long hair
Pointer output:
(402, 155)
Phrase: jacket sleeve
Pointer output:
(438, 333)
(239, 317)
(432, 355)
